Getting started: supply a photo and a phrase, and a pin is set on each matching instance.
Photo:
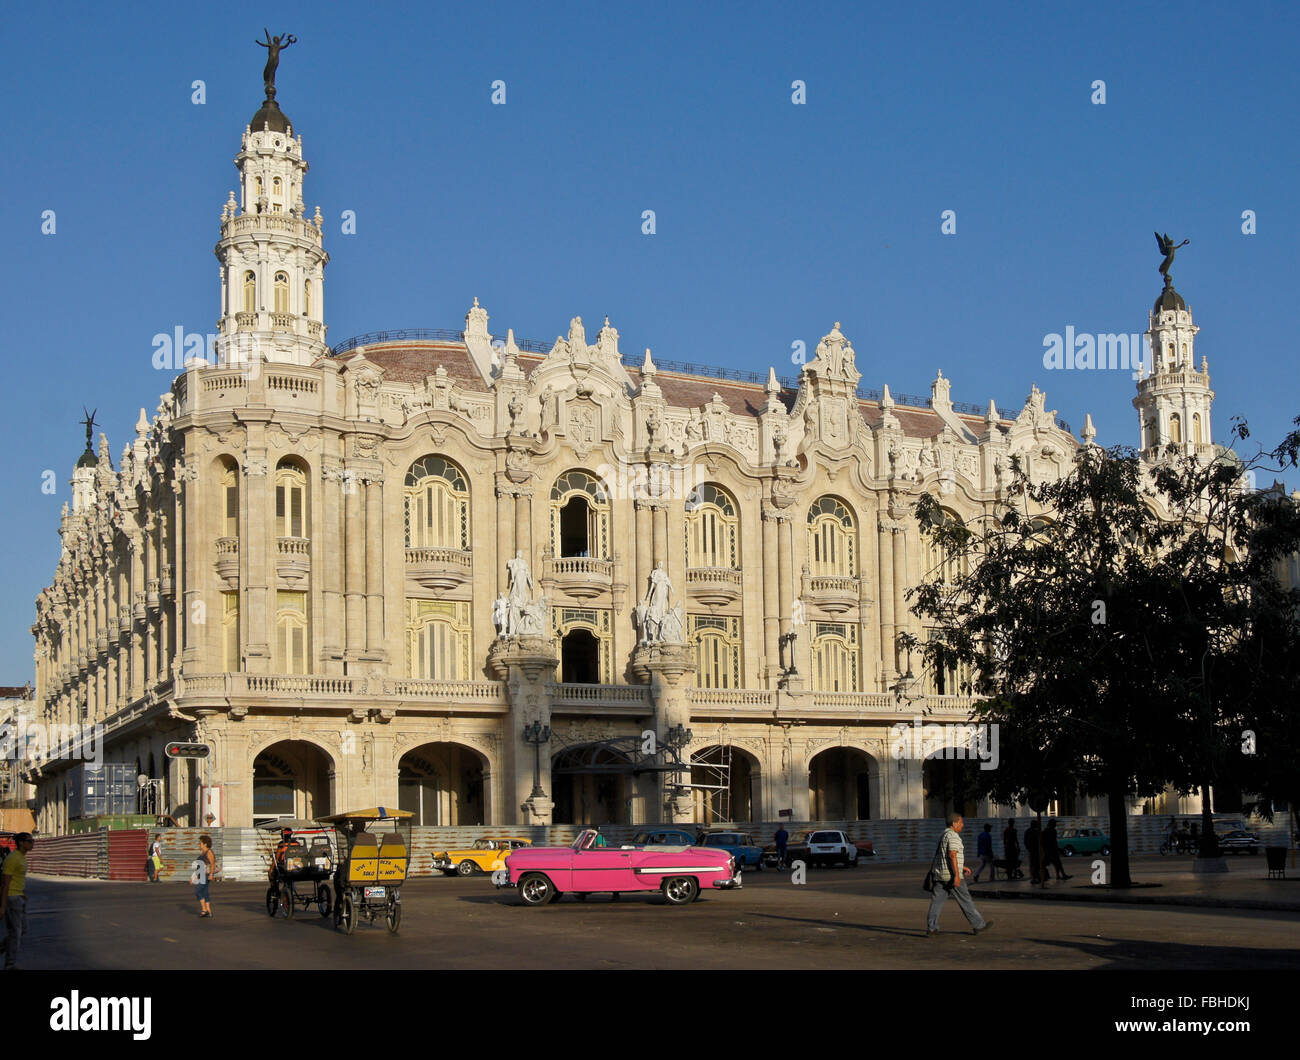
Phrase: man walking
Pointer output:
(1033, 846)
(1052, 853)
(1011, 850)
(950, 872)
(13, 897)
(782, 839)
(984, 848)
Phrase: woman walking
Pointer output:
(204, 866)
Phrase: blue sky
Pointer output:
(773, 220)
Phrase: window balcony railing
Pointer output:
(581, 577)
(832, 593)
(281, 321)
(227, 563)
(292, 557)
(599, 695)
(439, 568)
(713, 586)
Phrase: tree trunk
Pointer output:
(1119, 864)
(1209, 844)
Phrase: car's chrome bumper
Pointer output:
(501, 878)
(443, 864)
(732, 884)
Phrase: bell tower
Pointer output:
(271, 255)
(1174, 396)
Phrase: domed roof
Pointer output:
(1169, 300)
(270, 115)
(88, 459)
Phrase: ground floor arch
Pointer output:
(292, 778)
(725, 785)
(594, 785)
(844, 785)
(443, 783)
(951, 785)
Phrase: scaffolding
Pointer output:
(713, 805)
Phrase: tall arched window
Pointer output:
(946, 568)
(580, 517)
(835, 657)
(437, 505)
(291, 641)
(832, 539)
(712, 529)
(1197, 435)
(282, 292)
(306, 298)
(1175, 428)
(229, 499)
(717, 650)
(230, 660)
(250, 292)
(276, 200)
(290, 500)
(438, 640)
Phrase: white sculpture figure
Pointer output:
(672, 628)
(532, 620)
(500, 614)
(520, 591)
(653, 612)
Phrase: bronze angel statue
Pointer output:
(1168, 249)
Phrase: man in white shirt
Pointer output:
(950, 872)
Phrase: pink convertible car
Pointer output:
(542, 874)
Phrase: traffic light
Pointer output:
(187, 750)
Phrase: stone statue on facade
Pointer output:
(519, 593)
(657, 622)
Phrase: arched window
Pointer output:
(586, 644)
(282, 292)
(437, 505)
(717, 650)
(1175, 428)
(306, 298)
(832, 539)
(950, 680)
(835, 657)
(291, 642)
(580, 517)
(948, 569)
(712, 529)
(275, 197)
(290, 500)
(1197, 435)
(438, 640)
(250, 292)
(229, 499)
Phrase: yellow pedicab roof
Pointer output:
(375, 813)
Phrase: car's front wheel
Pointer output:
(536, 889)
(1068, 851)
(680, 890)
(466, 868)
(1105, 852)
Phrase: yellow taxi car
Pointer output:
(486, 855)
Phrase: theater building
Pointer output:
(298, 560)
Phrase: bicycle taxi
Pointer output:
(374, 856)
(300, 862)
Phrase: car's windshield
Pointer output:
(826, 837)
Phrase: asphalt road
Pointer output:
(870, 917)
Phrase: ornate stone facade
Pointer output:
(299, 558)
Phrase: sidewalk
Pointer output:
(1164, 881)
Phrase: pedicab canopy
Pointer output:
(375, 813)
(294, 824)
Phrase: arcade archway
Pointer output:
(843, 785)
(443, 784)
(291, 779)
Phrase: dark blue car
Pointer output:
(740, 845)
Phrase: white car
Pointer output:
(822, 846)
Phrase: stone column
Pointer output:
(771, 600)
(888, 654)
(256, 566)
(527, 665)
(374, 567)
(901, 620)
(327, 559)
(665, 665)
(354, 573)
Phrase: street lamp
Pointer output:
(537, 734)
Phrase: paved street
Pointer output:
(871, 917)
